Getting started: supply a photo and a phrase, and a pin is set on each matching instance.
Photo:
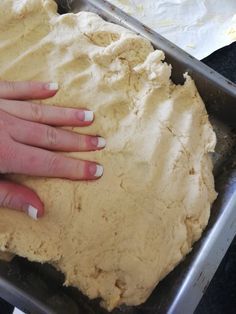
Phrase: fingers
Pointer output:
(23, 159)
(18, 197)
(27, 90)
(39, 113)
(47, 114)
(52, 138)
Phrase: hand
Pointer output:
(28, 137)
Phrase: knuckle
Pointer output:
(52, 136)
(80, 141)
(36, 112)
(5, 119)
(7, 155)
(7, 199)
(65, 112)
(53, 164)
(8, 85)
(80, 169)
(30, 85)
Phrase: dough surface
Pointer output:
(115, 238)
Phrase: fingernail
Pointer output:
(85, 115)
(99, 171)
(33, 212)
(101, 142)
(96, 170)
(88, 116)
(52, 86)
(98, 142)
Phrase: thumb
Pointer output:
(18, 197)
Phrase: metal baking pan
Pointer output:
(37, 288)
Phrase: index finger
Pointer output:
(27, 90)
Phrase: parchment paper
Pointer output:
(200, 27)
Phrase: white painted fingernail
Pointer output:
(101, 142)
(52, 86)
(99, 171)
(33, 212)
(88, 116)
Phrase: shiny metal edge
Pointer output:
(207, 261)
(23, 300)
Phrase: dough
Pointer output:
(115, 238)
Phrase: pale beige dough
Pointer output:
(115, 238)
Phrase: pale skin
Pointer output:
(31, 137)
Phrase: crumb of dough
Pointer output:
(115, 238)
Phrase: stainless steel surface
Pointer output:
(181, 290)
(206, 261)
